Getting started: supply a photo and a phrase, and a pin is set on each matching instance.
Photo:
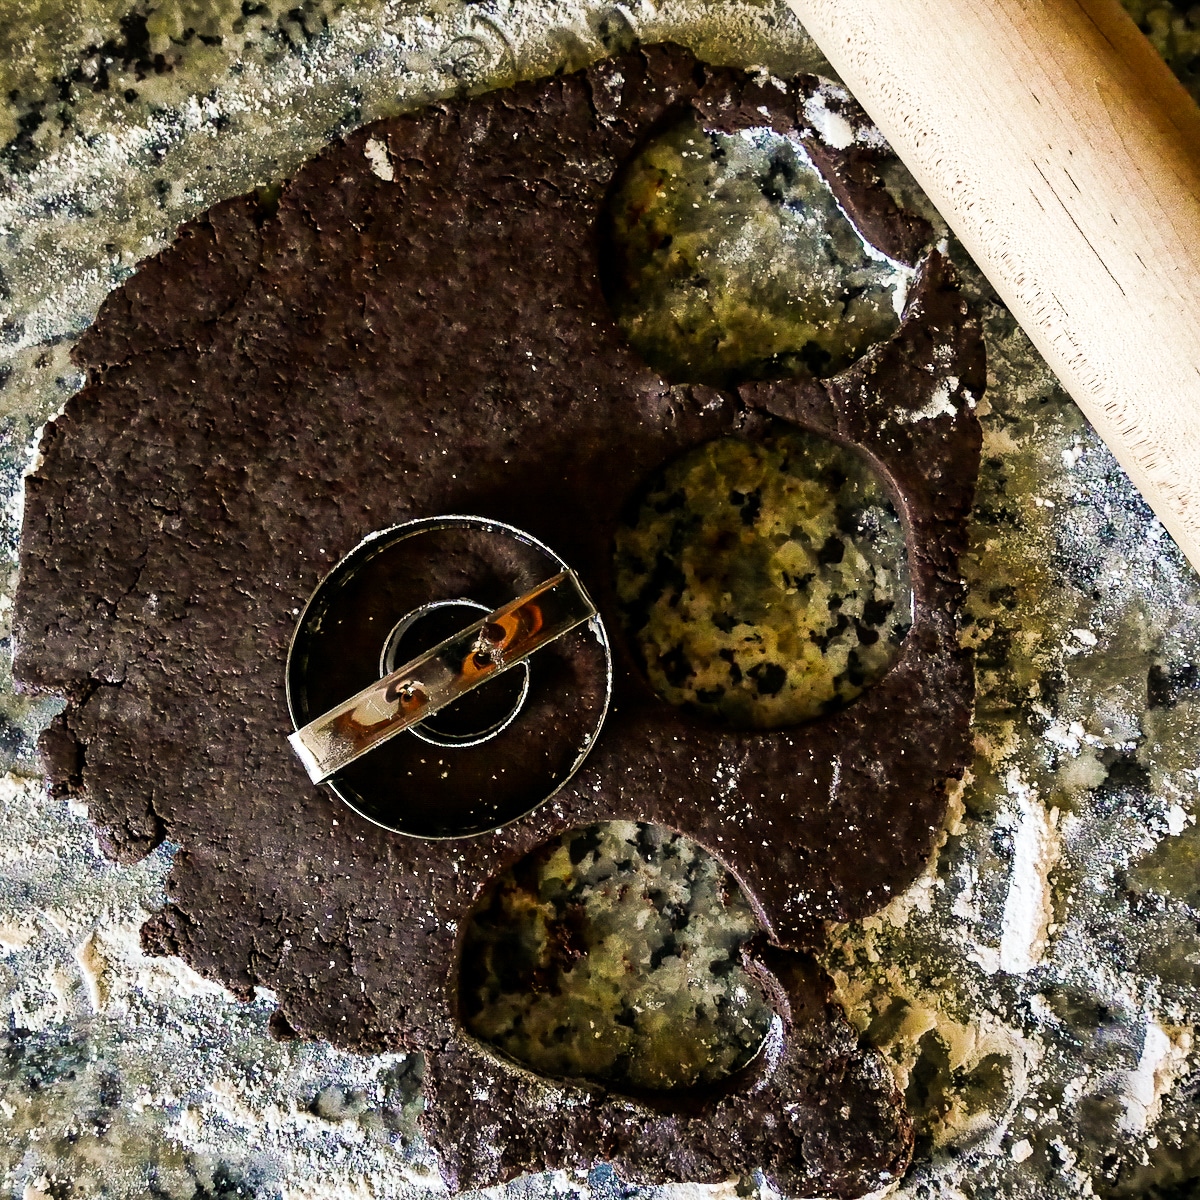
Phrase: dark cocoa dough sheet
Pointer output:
(282, 382)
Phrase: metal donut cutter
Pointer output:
(444, 657)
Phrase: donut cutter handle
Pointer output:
(437, 678)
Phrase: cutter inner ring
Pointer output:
(489, 711)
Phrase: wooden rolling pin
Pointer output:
(1066, 157)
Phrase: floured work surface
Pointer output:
(419, 327)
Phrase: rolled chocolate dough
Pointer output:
(418, 327)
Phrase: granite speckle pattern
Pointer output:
(731, 260)
(765, 583)
(550, 980)
(1037, 991)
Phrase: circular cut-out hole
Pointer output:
(478, 715)
(764, 583)
(613, 954)
(729, 258)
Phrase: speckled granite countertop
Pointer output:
(1036, 992)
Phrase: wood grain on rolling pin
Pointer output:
(1066, 157)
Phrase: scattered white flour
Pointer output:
(1163, 1060)
(938, 405)
(834, 129)
(379, 159)
(1027, 908)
